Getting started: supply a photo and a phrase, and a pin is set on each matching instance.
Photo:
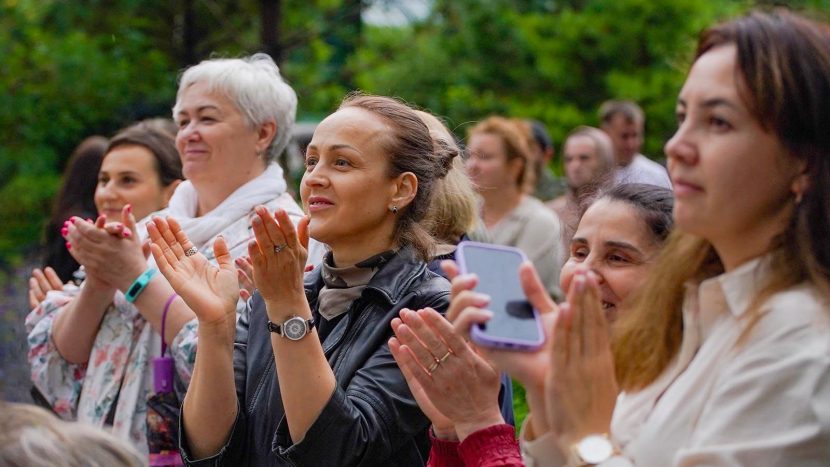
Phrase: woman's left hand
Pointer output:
(581, 388)
(279, 255)
(459, 383)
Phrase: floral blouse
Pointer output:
(118, 376)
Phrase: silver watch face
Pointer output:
(294, 328)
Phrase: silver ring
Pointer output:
(279, 248)
(191, 251)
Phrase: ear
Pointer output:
(515, 167)
(265, 134)
(167, 192)
(801, 182)
(404, 190)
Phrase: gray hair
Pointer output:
(255, 87)
(602, 143)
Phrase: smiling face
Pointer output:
(128, 175)
(346, 188)
(488, 166)
(732, 178)
(215, 142)
(613, 241)
(582, 161)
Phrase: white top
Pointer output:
(765, 402)
(643, 170)
(536, 230)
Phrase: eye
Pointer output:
(340, 162)
(183, 123)
(579, 253)
(128, 180)
(310, 162)
(102, 180)
(719, 124)
(680, 116)
(617, 258)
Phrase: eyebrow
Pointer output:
(713, 102)
(335, 147)
(201, 108)
(610, 243)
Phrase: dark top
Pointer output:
(372, 418)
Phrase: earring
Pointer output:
(394, 209)
(798, 196)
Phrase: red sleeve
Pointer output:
(443, 453)
(491, 447)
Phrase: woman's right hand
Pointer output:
(211, 292)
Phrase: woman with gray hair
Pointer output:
(97, 348)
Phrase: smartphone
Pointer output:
(515, 323)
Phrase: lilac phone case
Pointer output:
(479, 335)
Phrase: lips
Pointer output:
(683, 187)
(319, 203)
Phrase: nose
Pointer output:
(593, 264)
(187, 132)
(315, 177)
(680, 147)
(104, 191)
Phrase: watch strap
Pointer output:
(138, 285)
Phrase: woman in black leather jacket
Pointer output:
(315, 382)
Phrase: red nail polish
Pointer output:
(68, 246)
(64, 231)
(129, 209)
(126, 234)
(72, 220)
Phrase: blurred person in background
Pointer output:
(624, 122)
(588, 162)
(497, 165)
(75, 198)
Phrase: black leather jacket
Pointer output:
(372, 418)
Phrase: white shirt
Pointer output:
(765, 402)
(643, 170)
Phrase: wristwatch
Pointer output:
(293, 329)
(596, 450)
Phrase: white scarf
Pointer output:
(183, 205)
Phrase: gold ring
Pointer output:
(191, 251)
(433, 367)
(279, 248)
(446, 356)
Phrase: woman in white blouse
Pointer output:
(726, 358)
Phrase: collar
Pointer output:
(390, 281)
(739, 286)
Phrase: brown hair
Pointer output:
(454, 209)
(411, 149)
(783, 60)
(156, 139)
(630, 111)
(514, 143)
(30, 435)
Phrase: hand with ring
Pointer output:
(209, 291)
(278, 256)
(454, 386)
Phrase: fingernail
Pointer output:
(72, 220)
(579, 281)
(68, 246)
(126, 234)
(64, 231)
(129, 209)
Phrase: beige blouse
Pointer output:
(765, 402)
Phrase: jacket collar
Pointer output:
(390, 282)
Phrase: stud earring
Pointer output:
(394, 209)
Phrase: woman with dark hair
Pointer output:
(725, 357)
(75, 198)
(306, 377)
(618, 239)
